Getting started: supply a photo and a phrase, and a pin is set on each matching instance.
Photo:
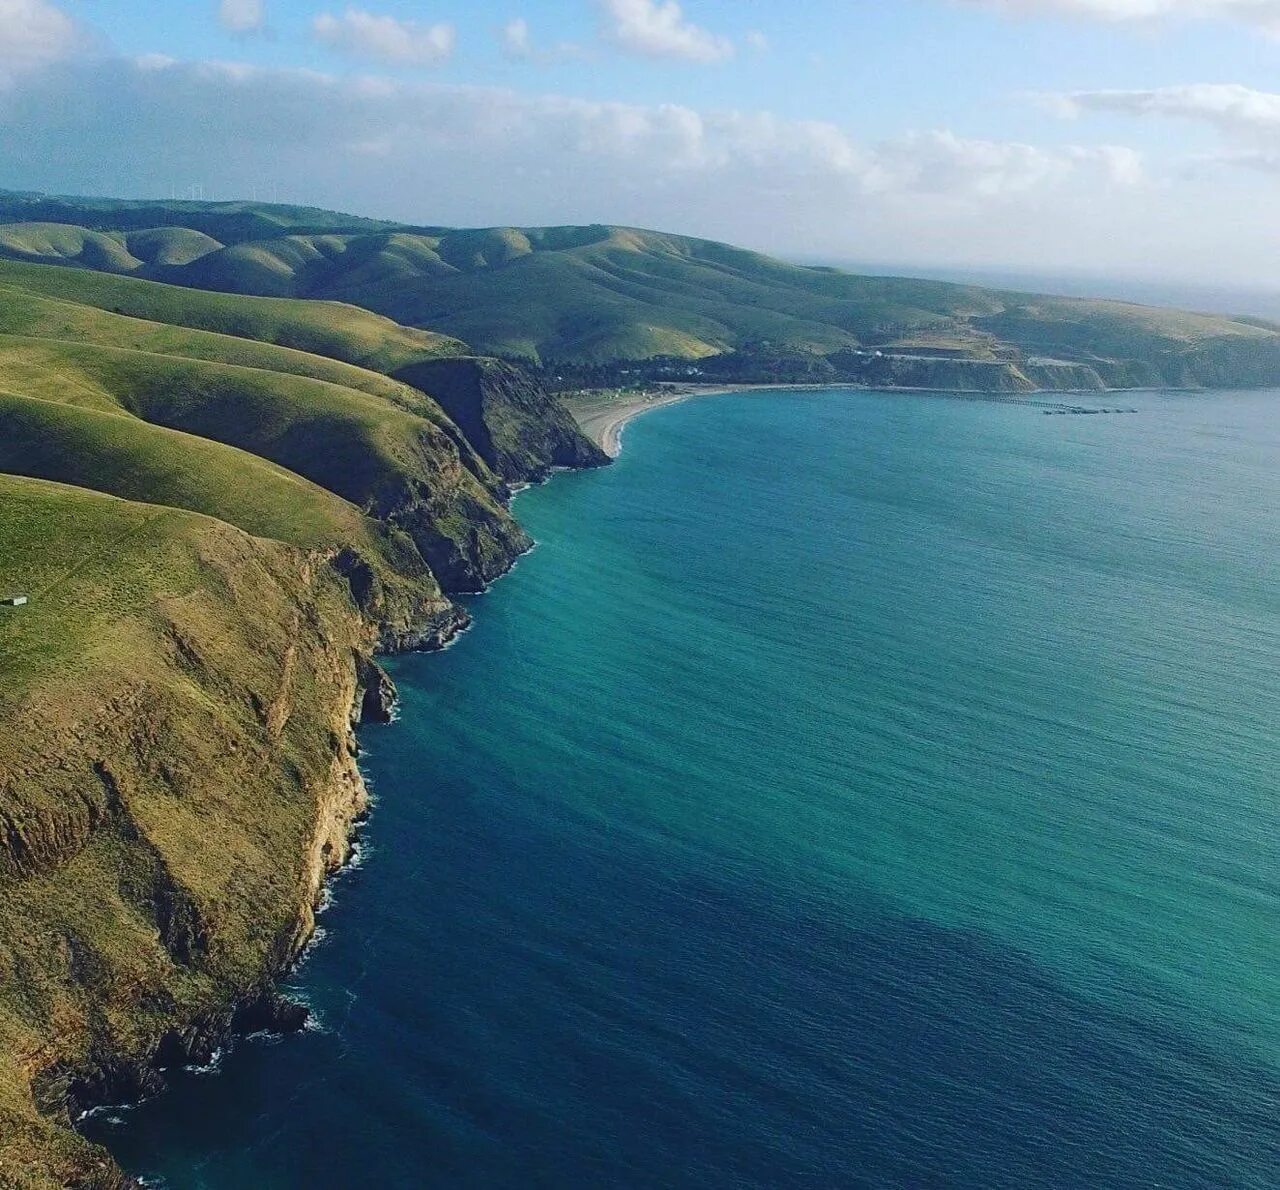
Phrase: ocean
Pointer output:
(851, 790)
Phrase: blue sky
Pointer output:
(1138, 136)
(876, 66)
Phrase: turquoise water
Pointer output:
(852, 789)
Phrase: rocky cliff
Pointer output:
(216, 535)
(177, 775)
(516, 427)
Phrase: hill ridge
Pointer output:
(604, 297)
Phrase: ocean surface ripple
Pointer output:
(852, 790)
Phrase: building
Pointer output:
(14, 601)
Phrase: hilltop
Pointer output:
(613, 299)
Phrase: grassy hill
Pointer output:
(575, 297)
(219, 507)
(321, 328)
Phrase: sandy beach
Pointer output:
(603, 417)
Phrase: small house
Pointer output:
(14, 601)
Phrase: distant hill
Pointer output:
(604, 296)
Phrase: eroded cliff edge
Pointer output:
(178, 764)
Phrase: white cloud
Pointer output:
(943, 163)
(517, 42)
(469, 154)
(33, 34)
(1229, 107)
(658, 29)
(757, 41)
(1262, 14)
(401, 43)
(436, 154)
(1248, 122)
(241, 16)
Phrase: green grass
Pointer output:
(360, 446)
(238, 371)
(67, 245)
(321, 328)
(125, 457)
(229, 222)
(25, 313)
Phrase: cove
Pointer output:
(852, 789)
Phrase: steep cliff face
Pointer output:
(247, 525)
(517, 428)
(177, 775)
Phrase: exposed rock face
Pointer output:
(888, 370)
(515, 425)
(409, 608)
(165, 829)
(376, 694)
(467, 540)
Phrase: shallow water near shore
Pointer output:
(851, 790)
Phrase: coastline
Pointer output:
(603, 419)
(358, 693)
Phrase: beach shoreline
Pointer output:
(602, 419)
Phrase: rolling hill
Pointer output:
(601, 296)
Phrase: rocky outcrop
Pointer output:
(376, 693)
(407, 605)
(467, 539)
(514, 424)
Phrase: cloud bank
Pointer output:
(34, 34)
(73, 120)
(434, 153)
(1228, 107)
(241, 16)
(1260, 14)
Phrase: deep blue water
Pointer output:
(852, 790)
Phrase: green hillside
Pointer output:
(323, 328)
(218, 508)
(575, 297)
(25, 312)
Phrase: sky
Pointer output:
(1136, 138)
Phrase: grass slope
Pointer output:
(125, 457)
(392, 463)
(24, 312)
(321, 328)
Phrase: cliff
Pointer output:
(216, 533)
(177, 774)
(516, 427)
